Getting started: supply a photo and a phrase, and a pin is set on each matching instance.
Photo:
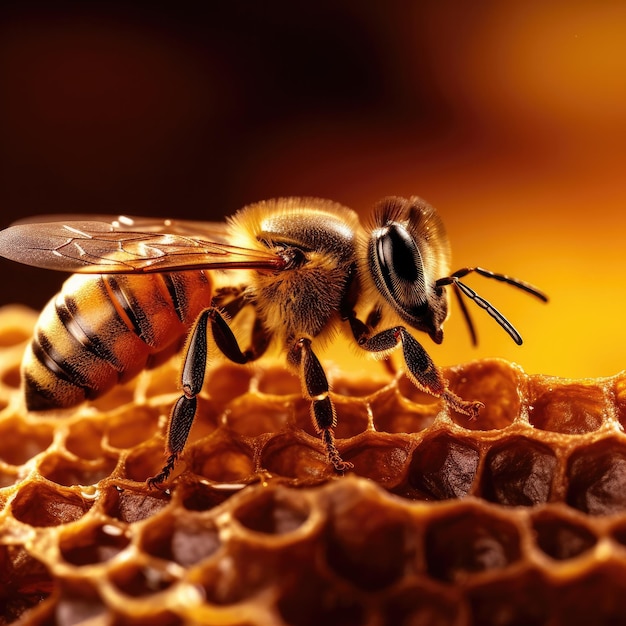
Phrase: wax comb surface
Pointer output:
(517, 517)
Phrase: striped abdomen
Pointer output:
(102, 330)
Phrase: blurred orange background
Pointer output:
(508, 117)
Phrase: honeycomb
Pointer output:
(518, 517)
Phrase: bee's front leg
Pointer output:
(192, 379)
(316, 389)
(420, 369)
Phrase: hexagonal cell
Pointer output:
(201, 496)
(24, 583)
(130, 506)
(184, 539)
(523, 599)
(84, 439)
(598, 596)
(443, 467)
(560, 537)
(92, 543)
(253, 415)
(352, 418)
(137, 581)
(369, 543)
(307, 599)
(422, 605)
(146, 461)
(497, 384)
(20, 440)
(289, 456)
(40, 504)
(382, 458)
(573, 408)
(223, 458)
(226, 382)
(16, 325)
(278, 381)
(68, 472)
(126, 429)
(362, 386)
(469, 541)
(273, 512)
(244, 571)
(163, 378)
(392, 413)
(519, 472)
(77, 603)
(12, 377)
(597, 478)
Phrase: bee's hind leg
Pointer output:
(192, 379)
(315, 388)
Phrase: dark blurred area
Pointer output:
(509, 117)
(109, 107)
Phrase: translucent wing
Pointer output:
(214, 231)
(115, 245)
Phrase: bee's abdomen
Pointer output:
(101, 330)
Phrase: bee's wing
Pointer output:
(214, 231)
(128, 245)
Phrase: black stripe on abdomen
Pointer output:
(69, 314)
(124, 301)
(45, 352)
(177, 295)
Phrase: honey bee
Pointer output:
(306, 268)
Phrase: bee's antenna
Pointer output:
(503, 278)
(485, 304)
(461, 288)
(466, 314)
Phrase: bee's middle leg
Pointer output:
(192, 379)
(316, 389)
(420, 368)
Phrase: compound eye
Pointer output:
(399, 266)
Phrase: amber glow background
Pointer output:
(509, 117)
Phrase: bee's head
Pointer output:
(407, 252)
